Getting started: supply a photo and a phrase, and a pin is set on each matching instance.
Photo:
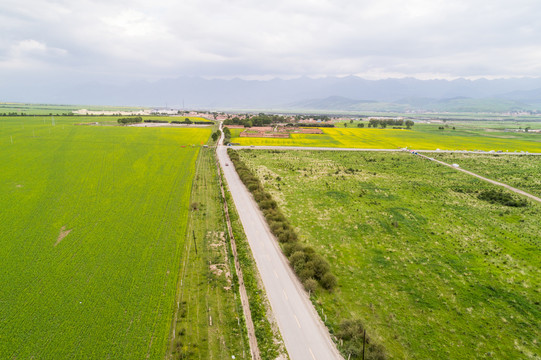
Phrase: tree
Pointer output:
(409, 123)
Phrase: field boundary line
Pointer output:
(317, 148)
(252, 340)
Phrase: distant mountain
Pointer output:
(331, 93)
(456, 104)
(531, 96)
(329, 103)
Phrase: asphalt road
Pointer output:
(304, 334)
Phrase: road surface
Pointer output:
(304, 334)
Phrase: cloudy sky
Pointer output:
(130, 40)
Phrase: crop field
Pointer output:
(427, 137)
(46, 109)
(431, 268)
(520, 171)
(93, 225)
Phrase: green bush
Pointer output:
(310, 285)
(328, 281)
(502, 197)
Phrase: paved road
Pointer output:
(305, 336)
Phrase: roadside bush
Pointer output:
(307, 272)
(321, 267)
(303, 259)
(292, 248)
(253, 187)
(297, 259)
(328, 281)
(267, 204)
(310, 285)
(287, 236)
(276, 226)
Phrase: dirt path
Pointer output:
(518, 191)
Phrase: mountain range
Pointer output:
(349, 93)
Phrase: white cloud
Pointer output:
(256, 39)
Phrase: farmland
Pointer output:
(421, 137)
(93, 229)
(431, 269)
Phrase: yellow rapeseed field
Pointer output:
(427, 138)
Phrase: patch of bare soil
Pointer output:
(62, 235)
(218, 244)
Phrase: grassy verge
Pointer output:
(209, 322)
(428, 267)
(268, 337)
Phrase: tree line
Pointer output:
(130, 120)
(383, 123)
(256, 120)
(311, 268)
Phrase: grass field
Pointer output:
(432, 271)
(93, 225)
(422, 137)
(46, 109)
(209, 321)
(520, 171)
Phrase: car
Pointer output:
(226, 164)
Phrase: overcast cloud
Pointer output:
(121, 40)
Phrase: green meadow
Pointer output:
(430, 268)
(421, 137)
(520, 171)
(92, 233)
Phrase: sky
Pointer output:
(128, 41)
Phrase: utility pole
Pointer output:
(364, 342)
(194, 243)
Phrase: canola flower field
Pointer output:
(421, 137)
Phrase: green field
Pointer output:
(430, 269)
(520, 171)
(421, 137)
(46, 109)
(93, 227)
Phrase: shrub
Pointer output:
(297, 258)
(328, 281)
(321, 267)
(307, 272)
(253, 187)
(501, 197)
(310, 285)
(292, 248)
